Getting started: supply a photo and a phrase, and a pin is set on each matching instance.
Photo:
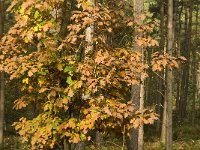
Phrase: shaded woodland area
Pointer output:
(99, 74)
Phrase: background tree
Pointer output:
(169, 78)
(2, 79)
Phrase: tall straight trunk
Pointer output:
(194, 72)
(189, 58)
(2, 79)
(197, 64)
(170, 37)
(160, 77)
(138, 11)
(194, 89)
(178, 53)
(164, 118)
(164, 113)
(185, 71)
(136, 140)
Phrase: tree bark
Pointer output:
(186, 67)
(160, 79)
(178, 53)
(138, 11)
(98, 139)
(194, 71)
(164, 118)
(136, 140)
(169, 78)
(66, 145)
(2, 99)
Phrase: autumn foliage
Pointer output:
(76, 92)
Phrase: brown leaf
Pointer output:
(30, 73)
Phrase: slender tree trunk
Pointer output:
(2, 79)
(136, 140)
(194, 85)
(141, 128)
(185, 72)
(194, 71)
(132, 142)
(197, 63)
(164, 111)
(170, 37)
(164, 118)
(189, 58)
(178, 53)
(160, 77)
(139, 10)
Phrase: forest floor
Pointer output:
(13, 143)
(186, 137)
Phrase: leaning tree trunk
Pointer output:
(2, 79)
(169, 78)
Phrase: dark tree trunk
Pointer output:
(185, 72)
(160, 93)
(2, 79)
(178, 53)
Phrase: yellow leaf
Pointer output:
(25, 80)
(78, 84)
(59, 67)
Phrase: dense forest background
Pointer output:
(99, 74)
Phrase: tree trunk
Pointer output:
(170, 37)
(98, 139)
(2, 79)
(160, 79)
(138, 11)
(197, 58)
(186, 67)
(178, 53)
(66, 145)
(136, 140)
(163, 131)
(132, 142)
(194, 71)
